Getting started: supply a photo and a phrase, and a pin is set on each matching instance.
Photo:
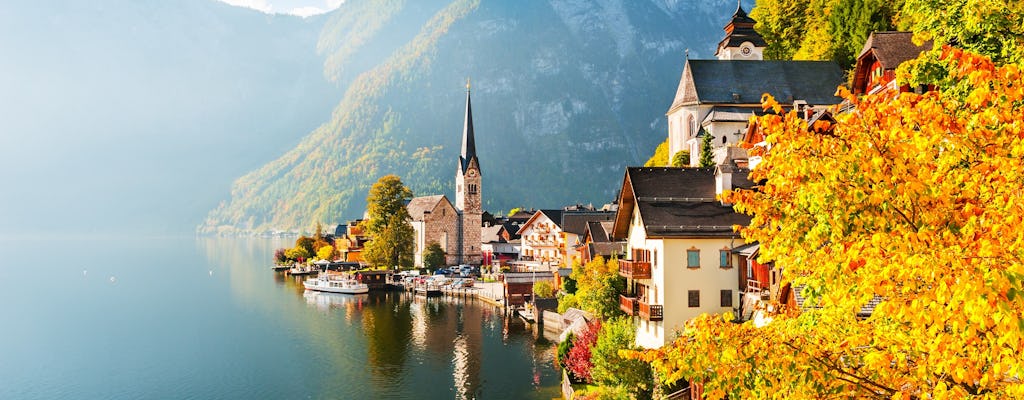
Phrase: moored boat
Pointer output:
(278, 267)
(336, 284)
(299, 269)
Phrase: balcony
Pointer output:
(628, 305)
(650, 312)
(635, 269)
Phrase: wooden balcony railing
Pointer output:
(651, 312)
(628, 304)
(635, 269)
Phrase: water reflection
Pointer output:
(387, 344)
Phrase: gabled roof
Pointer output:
(598, 230)
(554, 215)
(576, 221)
(490, 234)
(418, 206)
(730, 82)
(893, 48)
(676, 202)
(606, 249)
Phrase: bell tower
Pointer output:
(741, 41)
(468, 193)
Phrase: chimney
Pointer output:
(723, 180)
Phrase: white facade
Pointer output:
(541, 240)
(672, 280)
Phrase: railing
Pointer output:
(635, 269)
(628, 304)
(651, 312)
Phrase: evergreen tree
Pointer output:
(707, 157)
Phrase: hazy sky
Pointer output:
(302, 8)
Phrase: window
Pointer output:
(727, 298)
(693, 298)
(723, 259)
(654, 259)
(472, 188)
(693, 258)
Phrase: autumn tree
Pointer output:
(578, 362)
(598, 286)
(391, 235)
(911, 200)
(325, 253)
(543, 289)
(660, 156)
(433, 256)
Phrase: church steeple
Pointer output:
(468, 141)
(468, 193)
(741, 41)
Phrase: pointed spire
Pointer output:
(468, 139)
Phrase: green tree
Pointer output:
(598, 287)
(681, 159)
(569, 284)
(782, 24)
(433, 256)
(393, 246)
(306, 243)
(993, 28)
(612, 370)
(566, 302)
(543, 289)
(660, 156)
(391, 236)
(821, 29)
(707, 153)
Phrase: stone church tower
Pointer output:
(468, 194)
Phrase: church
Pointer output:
(717, 97)
(456, 227)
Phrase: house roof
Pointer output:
(576, 222)
(677, 202)
(598, 230)
(743, 82)
(418, 206)
(865, 311)
(554, 215)
(606, 249)
(490, 234)
(731, 114)
(893, 48)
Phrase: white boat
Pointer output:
(526, 314)
(336, 284)
(300, 269)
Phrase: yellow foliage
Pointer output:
(918, 199)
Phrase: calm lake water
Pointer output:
(206, 318)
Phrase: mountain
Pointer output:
(125, 116)
(566, 93)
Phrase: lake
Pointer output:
(206, 318)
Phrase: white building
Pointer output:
(678, 240)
